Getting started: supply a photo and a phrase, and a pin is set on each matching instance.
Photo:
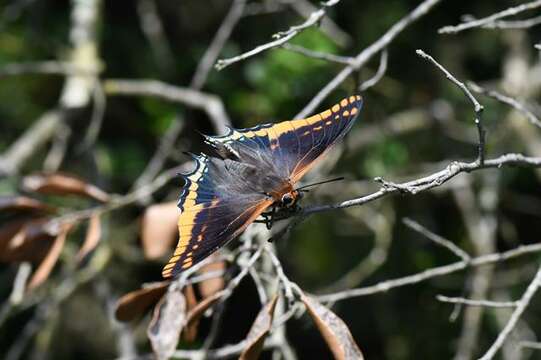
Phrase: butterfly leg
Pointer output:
(268, 218)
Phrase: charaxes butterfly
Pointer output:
(256, 169)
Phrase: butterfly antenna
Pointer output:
(302, 188)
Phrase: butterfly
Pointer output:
(255, 169)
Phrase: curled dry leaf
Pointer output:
(194, 315)
(134, 304)
(259, 331)
(23, 203)
(24, 240)
(44, 269)
(334, 330)
(159, 229)
(92, 238)
(63, 184)
(167, 322)
(211, 286)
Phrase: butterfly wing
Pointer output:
(291, 148)
(221, 197)
(216, 206)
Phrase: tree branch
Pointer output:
(490, 19)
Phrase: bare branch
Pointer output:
(521, 307)
(115, 203)
(327, 26)
(436, 238)
(387, 285)
(44, 67)
(364, 56)
(205, 65)
(530, 345)
(532, 118)
(281, 37)
(478, 108)
(163, 150)
(58, 149)
(470, 302)
(211, 104)
(517, 24)
(98, 113)
(318, 55)
(288, 287)
(77, 87)
(430, 181)
(33, 138)
(152, 27)
(221, 353)
(490, 19)
(382, 68)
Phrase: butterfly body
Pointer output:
(256, 169)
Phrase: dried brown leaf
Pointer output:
(24, 240)
(211, 286)
(189, 333)
(92, 238)
(63, 184)
(23, 203)
(198, 311)
(159, 229)
(334, 330)
(44, 269)
(259, 331)
(134, 304)
(167, 322)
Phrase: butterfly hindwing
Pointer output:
(215, 208)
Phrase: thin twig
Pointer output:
(281, 37)
(32, 139)
(220, 353)
(343, 60)
(478, 108)
(436, 238)
(489, 19)
(153, 29)
(164, 149)
(116, 202)
(517, 24)
(387, 285)
(327, 26)
(45, 68)
(530, 345)
(382, 68)
(205, 65)
(519, 106)
(17, 293)
(430, 181)
(209, 103)
(58, 149)
(364, 56)
(98, 113)
(521, 307)
(286, 283)
(470, 302)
